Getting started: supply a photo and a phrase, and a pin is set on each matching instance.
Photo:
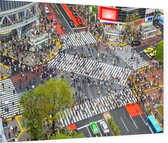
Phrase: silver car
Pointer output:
(104, 127)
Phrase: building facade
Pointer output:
(16, 15)
(140, 19)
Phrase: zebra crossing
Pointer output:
(8, 99)
(95, 107)
(90, 68)
(131, 57)
(78, 39)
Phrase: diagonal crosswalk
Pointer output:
(131, 57)
(8, 99)
(90, 68)
(78, 39)
(96, 106)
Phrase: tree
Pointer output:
(53, 96)
(44, 104)
(113, 127)
(67, 135)
(31, 117)
(159, 51)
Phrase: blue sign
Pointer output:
(150, 18)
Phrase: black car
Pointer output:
(75, 14)
(136, 43)
(69, 6)
(71, 23)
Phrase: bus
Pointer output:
(153, 124)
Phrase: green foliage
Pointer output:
(113, 127)
(67, 135)
(55, 95)
(45, 103)
(31, 116)
(159, 51)
(160, 109)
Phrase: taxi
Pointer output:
(150, 49)
(153, 54)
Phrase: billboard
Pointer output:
(108, 13)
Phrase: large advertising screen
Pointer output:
(108, 13)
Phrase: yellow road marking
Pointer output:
(9, 119)
(19, 135)
(153, 88)
(4, 66)
(19, 123)
(3, 78)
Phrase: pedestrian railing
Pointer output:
(16, 10)
(20, 24)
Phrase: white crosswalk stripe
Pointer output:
(90, 68)
(97, 106)
(127, 53)
(8, 99)
(78, 39)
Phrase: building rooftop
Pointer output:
(128, 8)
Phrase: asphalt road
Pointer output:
(140, 121)
(83, 126)
(63, 18)
(127, 125)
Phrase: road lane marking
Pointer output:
(147, 124)
(149, 56)
(134, 122)
(150, 129)
(142, 119)
(69, 16)
(124, 124)
(89, 132)
(64, 18)
(88, 124)
(100, 131)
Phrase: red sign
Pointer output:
(71, 127)
(108, 13)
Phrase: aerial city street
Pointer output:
(76, 71)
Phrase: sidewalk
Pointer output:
(153, 40)
(149, 90)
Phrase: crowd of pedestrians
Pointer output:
(21, 55)
(148, 84)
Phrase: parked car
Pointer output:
(94, 128)
(136, 43)
(104, 127)
(71, 23)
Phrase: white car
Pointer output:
(46, 10)
(104, 127)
